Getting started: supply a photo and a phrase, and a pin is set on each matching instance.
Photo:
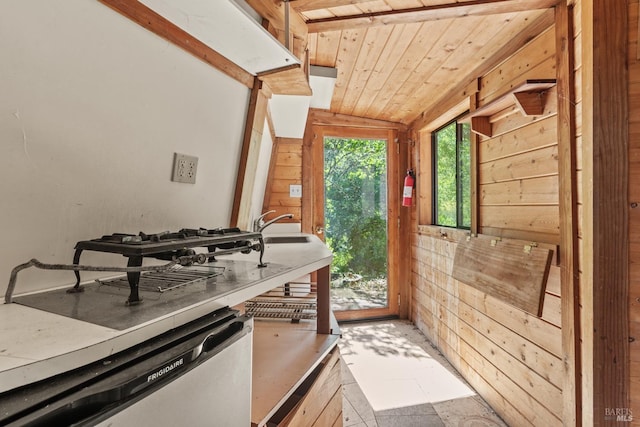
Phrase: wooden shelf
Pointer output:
(284, 354)
(513, 271)
(288, 81)
(527, 97)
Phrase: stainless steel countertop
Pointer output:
(37, 343)
(106, 305)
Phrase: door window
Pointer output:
(355, 209)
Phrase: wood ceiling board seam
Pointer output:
(337, 12)
(405, 4)
(312, 5)
(361, 8)
(419, 47)
(312, 44)
(327, 48)
(304, 6)
(539, 25)
(445, 77)
(395, 46)
(367, 58)
(422, 76)
(309, 5)
(410, 61)
(313, 15)
(349, 38)
(429, 13)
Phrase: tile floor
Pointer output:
(393, 377)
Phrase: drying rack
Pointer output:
(293, 300)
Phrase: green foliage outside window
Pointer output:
(356, 205)
(452, 175)
(446, 200)
(464, 174)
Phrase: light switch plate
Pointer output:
(295, 190)
(184, 168)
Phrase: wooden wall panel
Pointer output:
(518, 165)
(512, 358)
(553, 284)
(513, 141)
(505, 353)
(552, 309)
(539, 64)
(287, 170)
(537, 190)
(542, 162)
(531, 219)
(634, 197)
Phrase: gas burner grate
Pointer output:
(176, 277)
(294, 300)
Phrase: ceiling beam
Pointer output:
(304, 5)
(426, 13)
(273, 11)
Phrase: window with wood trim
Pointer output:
(451, 156)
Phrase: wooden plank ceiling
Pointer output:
(396, 58)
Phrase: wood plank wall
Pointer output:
(518, 165)
(286, 170)
(513, 359)
(634, 197)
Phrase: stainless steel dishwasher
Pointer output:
(198, 374)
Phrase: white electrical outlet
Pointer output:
(184, 168)
(295, 190)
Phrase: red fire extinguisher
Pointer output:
(409, 183)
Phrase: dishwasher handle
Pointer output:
(220, 339)
(217, 341)
(95, 402)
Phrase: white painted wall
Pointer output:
(92, 108)
(289, 115)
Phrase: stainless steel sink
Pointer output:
(286, 239)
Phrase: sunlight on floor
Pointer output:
(394, 372)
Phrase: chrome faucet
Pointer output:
(259, 224)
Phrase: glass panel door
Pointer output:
(355, 211)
